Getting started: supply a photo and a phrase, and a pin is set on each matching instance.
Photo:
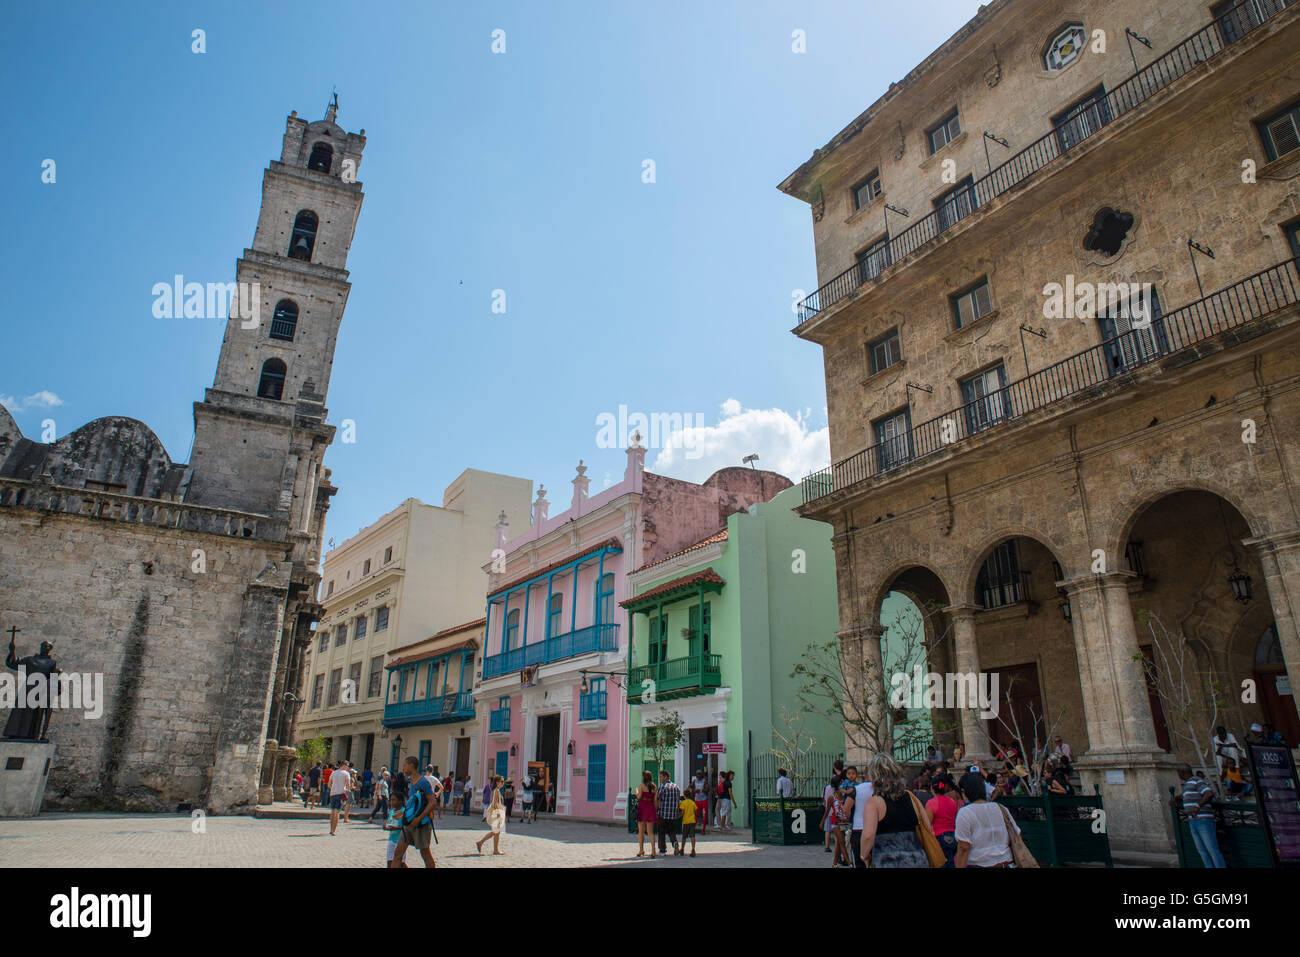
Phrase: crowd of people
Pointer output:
(664, 810)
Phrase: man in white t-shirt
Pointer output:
(340, 782)
(784, 786)
(861, 791)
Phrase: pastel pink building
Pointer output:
(550, 693)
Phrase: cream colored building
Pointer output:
(409, 575)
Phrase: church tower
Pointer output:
(260, 433)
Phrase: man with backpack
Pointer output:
(416, 821)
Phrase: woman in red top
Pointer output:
(942, 812)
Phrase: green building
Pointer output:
(766, 583)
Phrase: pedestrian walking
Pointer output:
(338, 787)
(457, 795)
(942, 812)
(725, 799)
(495, 816)
(862, 792)
(982, 828)
(508, 797)
(487, 796)
(687, 807)
(1197, 795)
(381, 805)
(645, 814)
(829, 794)
(700, 792)
(841, 815)
(417, 824)
(889, 820)
(467, 798)
(669, 811)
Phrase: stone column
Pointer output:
(966, 661)
(1123, 759)
(1279, 557)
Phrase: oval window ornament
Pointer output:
(1065, 47)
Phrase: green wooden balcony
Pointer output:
(675, 678)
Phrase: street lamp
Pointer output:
(1240, 583)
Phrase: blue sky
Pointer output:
(519, 172)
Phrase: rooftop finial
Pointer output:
(332, 110)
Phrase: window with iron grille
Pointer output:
(1081, 119)
(998, 583)
(284, 320)
(376, 677)
(359, 631)
(893, 439)
(1281, 132)
(885, 352)
(873, 260)
(381, 618)
(336, 684)
(317, 689)
(947, 130)
(985, 398)
(1133, 556)
(1127, 340)
(972, 304)
(956, 204)
(867, 190)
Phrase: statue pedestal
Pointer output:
(24, 768)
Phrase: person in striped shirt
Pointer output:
(670, 812)
(1197, 795)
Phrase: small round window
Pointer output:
(1065, 47)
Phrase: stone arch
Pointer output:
(975, 557)
(1125, 514)
(890, 581)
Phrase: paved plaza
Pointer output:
(168, 840)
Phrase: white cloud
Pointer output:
(37, 400)
(784, 443)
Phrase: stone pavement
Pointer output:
(167, 840)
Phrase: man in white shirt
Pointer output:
(340, 782)
(1225, 746)
(469, 793)
(784, 786)
(861, 791)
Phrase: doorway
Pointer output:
(1020, 705)
(548, 745)
(461, 763)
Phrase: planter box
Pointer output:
(775, 820)
(1062, 829)
(1242, 840)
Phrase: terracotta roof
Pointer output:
(468, 643)
(718, 536)
(708, 575)
(537, 573)
(421, 655)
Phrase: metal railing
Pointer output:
(603, 637)
(447, 707)
(591, 706)
(1244, 301)
(1202, 45)
(499, 720)
(677, 670)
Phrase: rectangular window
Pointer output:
(1081, 119)
(360, 630)
(388, 554)
(949, 129)
(502, 763)
(376, 677)
(658, 640)
(885, 352)
(354, 676)
(365, 567)
(381, 618)
(1132, 330)
(1281, 133)
(329, 590)
(873, 260)
(324, 641)
(554, 616)
(956, 204)
(426, 754)
(973, 304)
(605, 599)
(867, 190)
(1235, 19)
(699, 631)
(985, 399)
(341, 635)
(1293, 238)
(596, 773)
(317, 689)
(998, 583)
(336, 684)
(893, 439)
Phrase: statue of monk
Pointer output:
(28, 721)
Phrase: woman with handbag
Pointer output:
(987, 835)
(891, 823)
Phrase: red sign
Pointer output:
(714, 747)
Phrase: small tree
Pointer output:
(792, 749)
(1171, 671)
(660, 737)
(857, 692)
(1036, 759)
(311, 751)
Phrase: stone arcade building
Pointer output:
(192, 588)
(1045, 472)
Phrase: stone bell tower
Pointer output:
(260, 433)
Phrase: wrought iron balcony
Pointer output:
(583, 641)
(676, 677)
(457, 706)
(499, 721)
(1250, 299)
(1201, 46)
(591, 706)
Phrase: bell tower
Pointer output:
(260, 433)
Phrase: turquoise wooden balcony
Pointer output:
(580, 642)
(676, 677)
(499, 721)
(440, 709)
